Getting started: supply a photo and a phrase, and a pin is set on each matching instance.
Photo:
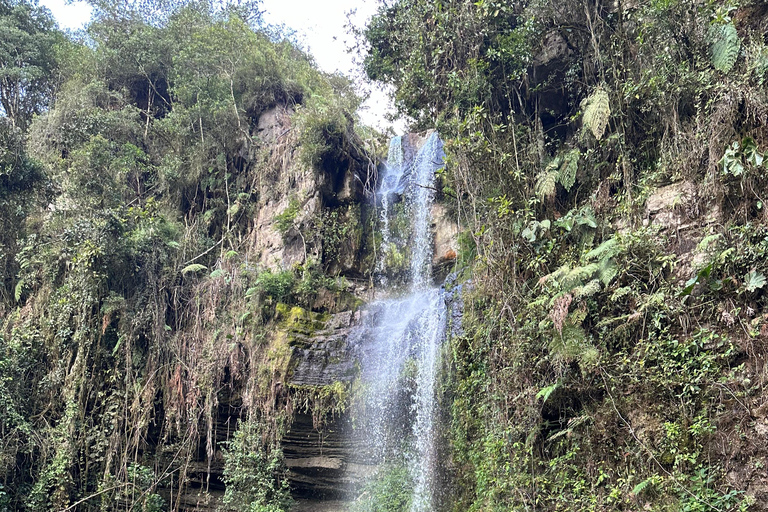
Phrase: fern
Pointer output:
(195, 267)
(547, 181)
(724, 46)
(608, 271)
(547, 391)
(621, 292)
(572, 345)
(567, 172)
(607, 249)
(18, 290)
(597, 110)
(562, 169)
(588, 289)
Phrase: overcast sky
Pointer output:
(320, 26)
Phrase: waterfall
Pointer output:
(390, 185)
(401, 337)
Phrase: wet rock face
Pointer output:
(323, 461)
(328, 460)
(324, 357)
(323, 464)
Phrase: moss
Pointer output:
(295, 319)
(322, 402)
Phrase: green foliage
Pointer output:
(725, 45)
(254, 472)
(754, 281)
(742, 158)
(597, 112)
(390, 490)
(116, 348)
(27, 59)
(284, 220)
(278, 286)
(22, 189)
(326, 126)
(193, 268)
(560, 170)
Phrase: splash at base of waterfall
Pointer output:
(400, 367)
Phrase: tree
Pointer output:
(28, 37)
(20, 182)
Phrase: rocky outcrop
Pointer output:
(321, 354)
(299, 204)
(323, 464)
(321, 213)
(321, 453)
(446, 247)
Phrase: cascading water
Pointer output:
(390, 184)
(401, 340)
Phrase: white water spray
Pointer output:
(401, 340)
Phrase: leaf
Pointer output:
(724, 46)
(621, 292)
(250, 291)
(529, 234)
(608, 271)
(641, 486)
(702, 275)
(751, 153)
(588, 289)
(18, 290)
(217, 273)
(607, 249)
(754, 281)
(547, 181)
(567, 171)
(195, 267)
(547, 391)
(597, 112)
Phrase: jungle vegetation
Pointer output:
(613, 358)
(613, 355)
(131, 313)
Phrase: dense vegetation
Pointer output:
(606, 159)
(132, 307)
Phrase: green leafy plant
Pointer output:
(724, 46)
(254, 471)
(390, 490)
(597, 112)
(562, 169)
(284, 220)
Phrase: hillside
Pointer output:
(217, 291)
(175, 186)
(607, 162)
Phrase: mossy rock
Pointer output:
(297, 320)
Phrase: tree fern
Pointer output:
(562, 169)
(607, 271)
(569, 344)
(597, 110)
(607, 249)
(724, 46)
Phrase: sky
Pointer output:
(319, 25)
